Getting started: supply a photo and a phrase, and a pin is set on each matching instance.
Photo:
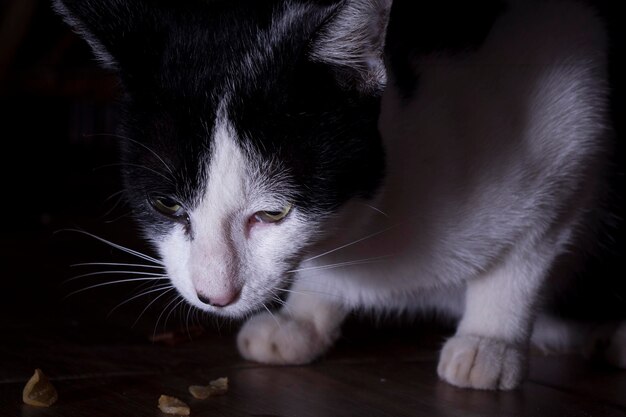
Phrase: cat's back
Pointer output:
(540, 69)
(490, 145)
(524, 109)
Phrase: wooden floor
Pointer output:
(106, 364)
(373, 371)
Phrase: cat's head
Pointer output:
(249, 125)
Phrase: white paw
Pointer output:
(482, 363)
(279, 339)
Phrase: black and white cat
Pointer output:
(355, 154)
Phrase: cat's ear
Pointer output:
(106, 25)
(352, 41)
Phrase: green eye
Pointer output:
(167, 206)
(272, 216)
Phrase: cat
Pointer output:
(357, 154)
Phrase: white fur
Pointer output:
(224, 254)
(489, 170)
(296, 335)
(479, 362)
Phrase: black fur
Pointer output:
(178, 60)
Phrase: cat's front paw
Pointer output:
(279, 339)
(482, 363)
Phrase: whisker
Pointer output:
(272, 314)
(114, 206)
(341, 264)
(104, 284)
(156, 325)
(116, 264)
(218, 324)
(116, 246)
(121, 216)
(147, 285)
(277, 299)
(149, 304)
(113, 195)
(377, 210)
(349, 244)
(137, 143)
(128, 164)
(182, 299)
(150, 291)
(142, 273)
(283, 305)
(187, 321)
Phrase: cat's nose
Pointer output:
(221, 300)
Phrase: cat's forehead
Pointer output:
(229, 69)
(238, 176)
(238, 77)
(234, 48)
(250, 76)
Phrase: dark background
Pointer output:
(57, 109)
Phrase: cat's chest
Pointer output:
(385, 282)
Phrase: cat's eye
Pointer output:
(167, 206)
(272, 216)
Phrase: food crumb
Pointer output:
(39, 391)
(218, 386)
(172, 405)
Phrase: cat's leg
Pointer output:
(604, 341)
(306, 327)
(490, 347)
(552, 334)
(615, 351)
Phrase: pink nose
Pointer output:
(221, 300)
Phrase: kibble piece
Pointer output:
(216, 387)
(39, 391)
(172, 405)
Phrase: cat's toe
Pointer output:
(278, 339)
(482, 363)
